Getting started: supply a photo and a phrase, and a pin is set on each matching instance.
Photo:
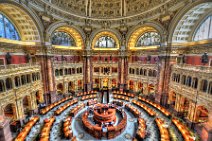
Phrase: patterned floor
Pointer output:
(82, 135)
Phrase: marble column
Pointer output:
(145, 88)
(163, 80)
(48, 78)
(88, 73)
(5, 133)
(205, 131)
(87, 56)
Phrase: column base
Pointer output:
(50, 97)
(205, 132)
(158, 98)
(161, 98)
(53, 96)
(5, 133)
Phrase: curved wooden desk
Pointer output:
(104, 114)
(109, 131)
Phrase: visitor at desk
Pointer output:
(104, 128)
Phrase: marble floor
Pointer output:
(82, 135)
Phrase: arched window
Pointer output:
(73, 70)
(62, 39)
(70, 71)
(34, 77)
(28, 78)
(145, 72)
(210, 88)
(80, 70)
(61, 72)
(38, 76)
(150, 73)
(9, 84)
(154, 73)
(17, 81)
(66, 71)
(195, 83)
(137, 71)
(23, 79)
(148, 39)
(2, 86)
(141, 71)
(178, 78)
(173, 77)
(105, 42)
(183, 79)
(133, 71)
(189, 79)
(7, 29)
(204, 85)
(204, 31)
(56, 72)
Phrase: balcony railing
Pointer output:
(66, 64)
(140, 64)
(207, 69)
(13, 66)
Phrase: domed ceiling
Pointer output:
(104, 9)
(107, 10)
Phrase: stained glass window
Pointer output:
(148, 39)
(62, 39)
(204, 31)
(105, 42)
(7, 29)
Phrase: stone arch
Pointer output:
(26, 104)
(10, 110)
(76, 32)
(17, 80)
(172, 99)
(152, 26)
(204, 85)
(131, 84)
(179, 16)
(201, 114)
(39, 97)
(198, 24)
(2, 86)
(9, 84)
(151, 88)
(80, 84)
(114, 31)
(71, 86)
(107, 32)
(60, 88)
(140, 85)
(114, 82)
(26, 21)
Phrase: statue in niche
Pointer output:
(28, 58)
(8, 58)
(205, 58)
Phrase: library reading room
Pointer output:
(98, 70)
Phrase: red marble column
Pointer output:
(163, 80)
(87, 73)
(205, 130)
(5, 133)
(123, 72)
(48, 78)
